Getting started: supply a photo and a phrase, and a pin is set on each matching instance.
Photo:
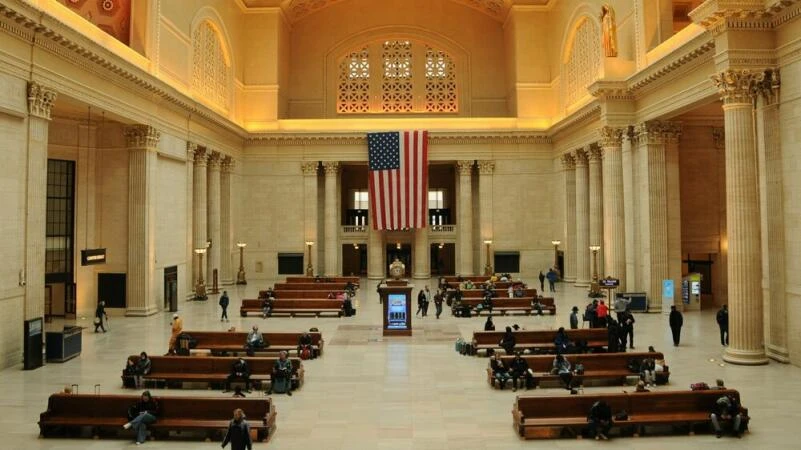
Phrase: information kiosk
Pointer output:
(397, 301)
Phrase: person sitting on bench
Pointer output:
(254, 341)
(267, 306)
(561, 341)
(727, 409)
(305, 343)
(281, 375)
(600, 420)
(142, 414)
(143, 367)
(239, 371)
(499, 371)
(129, 374)
(519, 368)
(508, 341)
(561, 367)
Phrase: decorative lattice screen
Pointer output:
(353, 93)
(584, 62)
(440, 82)
(396, 87)
(210, 71)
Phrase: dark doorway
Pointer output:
(111, 289)
(443, 259)
(404, 254)
(354, 260)
(560, 261)
(60, 238)
(171, 288)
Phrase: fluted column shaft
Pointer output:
(213, 213)
(199, 205)
(746, 342)
(141, 283)
(40, 102)
(569, 240)
(376, 254)
(226, 229)
(582, 219)
(422, 255)
(331, 218)
(614, 243)
(191, 264)
(486, 170)
(596, 205)
(310, 208)
(628, 277)
(465, 205)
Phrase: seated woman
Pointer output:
(562, 341)
(141, 414)
(508, 341)
(648, 371)
(129, 374)
(561, 367)
(267, 306)
(499, 371)
(281, 376)
(143, 367)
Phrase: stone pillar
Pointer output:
(226, 228)
(595, 155)
(772, 214)
(421, 269)
(331, 169)
(213, 214)
(142, 142)
(614, 242)
(485, 192)
(199, 211)
(376, 254)
(40, 102)
(582, 220)
(628, 277)
(310, 208)
(746, 344)
(191, 264)
(465, 205)
(569, 240)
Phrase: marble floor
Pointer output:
(370, 392)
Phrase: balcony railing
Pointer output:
(443, 228)
(354, 229)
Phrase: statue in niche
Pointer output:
(609, 28)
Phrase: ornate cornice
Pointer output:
(611, 137)
(581, 157)
(486, 166)
(611, 90)
(767, 86)
(40, 100)
(142, 136)
(658, 132)
(331, 167)
(434, 138)
(721, 15)
(736, 86)
(568, 161)
(464, 167)
(309, 168)
(683, 59)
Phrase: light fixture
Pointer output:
(208, 243)
(398, 246)
(488, 267)
(594, 249)
(309, 266)
(442, 245)
(555, 244)
(240, 276)
(200, 287)
(355, 246)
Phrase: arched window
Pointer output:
(211, 70)
(397, 76)
(583, 61)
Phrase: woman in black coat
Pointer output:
(238, 432)
(508, 341)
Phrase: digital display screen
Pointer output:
(695, 288)
(396, 311)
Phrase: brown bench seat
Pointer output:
(498, 293)
(597, 367)
(295, 307)
(214, 369)
(503, 305)
(107, 414)
(303, 293)
(309, 287)
(552, 416)
(343, 280)
(539, 340)
(221, 342)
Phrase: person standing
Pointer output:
(552, 277)
(676, 320)
(421, 298)
(602, 314)
(224, 305)
(542, 281)
(142, 414)
(177, 325)
(438, 302)
(621, 306)
(238, 433)
(627, 328)
(426, 300)
(100, 314)
(723, 323)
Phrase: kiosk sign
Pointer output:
(396, 311)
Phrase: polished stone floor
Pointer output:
(370, 392)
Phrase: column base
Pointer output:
(141, 312)
(745, 357)
(569, 279)
(582, 283)
(375, 277)
(421, 276)
(779, 354)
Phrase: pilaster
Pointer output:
(310, 170)
(331, 169)
(486, 169)
(582, 219)
(200, 206)
(465, 205)
(226, 228)
(213, 214)
(628, 158)
(569, 239)
(614, 241)
(191, 265)
(595, 156)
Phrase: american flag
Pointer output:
(398, 178)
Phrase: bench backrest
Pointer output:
(590, 361)
(519, 302)
(540, 336)
(354, 280)
(218, 365)
(305, 293)
(309, 304)
(499, 293)
(678, 401)
(309, 287)
(237, 338)
(567, 406)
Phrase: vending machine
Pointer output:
(397, 301)
(691, 291)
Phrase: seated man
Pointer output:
(281, 377)
(600, 420)
(305, 343)
(487, 302)
(239, 371)
(561, 367)
(561, 341)
(728, 410)
(499, 372)
(267, 306)
(143, 366)
(535, 303)
(254, 341)
(519, 368)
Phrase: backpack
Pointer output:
(305, 353)
(699, 386)
(634, 365)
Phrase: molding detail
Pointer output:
(581, 158)
(568, 162)
(200, 156)
(611, 137)
(736, 86)
(331, 167)
(309, 168)
(767, 86)
(191, 148)
(434, 138)
(464, 167)
(657, 132)
(40, 100)
(142, 136)
(227, 164)
(486, 166)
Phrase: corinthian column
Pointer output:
(595, 155)
(199, 210)
(191, 265)
(630, 211)
(614, 242)
(742, 219)
(40, 102)
(582, 220)
(213, 213)
(142, 143)
(465, 204)
(376, 254)
(569, 241)
(310, 209)
(226, 230)
(485, 175)
(331, 218)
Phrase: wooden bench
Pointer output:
(294, 307)
(337, 287)
(214, 369)
(554, 416)
(343, 280)
(498, 293)
(540, 340)
(505, 305)
(106, 414)
(597, 367)
(305, 293)
(223, 342)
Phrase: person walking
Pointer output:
(676, 320)
(100, 314)
(552, 277)
(723, 323)
(542, 281)
(224, 301)
(438, 302)
(627, 328)
(421, 299)
(238, 434)
(426, 300)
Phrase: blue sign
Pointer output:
(667, 289)
(396, 312)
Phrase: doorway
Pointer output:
(404, 253)
(171, 288)
(443, 259)
(111, 289)
(354, 260)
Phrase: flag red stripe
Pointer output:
(411, 180)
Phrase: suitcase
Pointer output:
(458, 345)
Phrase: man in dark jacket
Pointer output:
(519, 368)
(542, 282)
(224, 305)
(627, 328)
(600, 420)
(143, 413)
(727, 410)
(574, 320)
(238, 433)
(239, 371)
(723, 323)
(676, 320)
(304, 342)
(421, 300)
(100, 314)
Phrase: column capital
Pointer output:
(767, 86)
(40, 100)
(200, 156)
(736, 86)
(191, 148)
(568, 161)
(611, 137)
(214, 160)
(595, 154)
(486, 166)
(142, 136)
(719, 138)
(331, 167)
(227, 164)
(657, 132)
(464, 167)
(581, 157)
(309, 168)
